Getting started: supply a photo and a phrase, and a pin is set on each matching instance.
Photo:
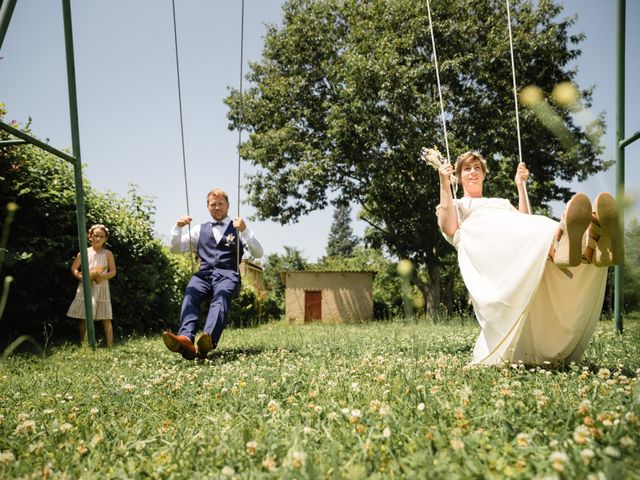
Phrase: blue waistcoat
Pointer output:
(224, 254)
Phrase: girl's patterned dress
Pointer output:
(100, 296)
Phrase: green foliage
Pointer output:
(275, 264)
(341, 240)
(146, 292)
(378, 400)
(251, 308)
(632, 267)
(345, 96)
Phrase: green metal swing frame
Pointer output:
(6, 11)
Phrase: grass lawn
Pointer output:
(380, 400)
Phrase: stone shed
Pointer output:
(328, 296)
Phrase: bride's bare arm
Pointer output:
(447, 218)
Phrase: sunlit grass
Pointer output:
(351, 401)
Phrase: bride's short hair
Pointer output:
(467, 157)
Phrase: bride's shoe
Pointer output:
(576, 219)
(607, 229)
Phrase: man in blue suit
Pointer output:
(218, 275)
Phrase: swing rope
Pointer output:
(240, 124)
(184, 156)
(515, 99)
(426, 153)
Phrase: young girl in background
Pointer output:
(102, 267)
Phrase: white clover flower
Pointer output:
(558, 460)
(273, 406)
(7, 456)
(227, 471)
(523, 440)
(421, 407)
(27, 426)
(269, 463)
(65, 427)
(581, 434)
(251, 447)
(584, 407)
(297, 459)
(587, 455)
(612, 452)
(627, 442)
(457, 444)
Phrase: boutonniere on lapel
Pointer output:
(230, 238)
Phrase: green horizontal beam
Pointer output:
(38, 143)
(631, 139)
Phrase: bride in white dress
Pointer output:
(537, 289)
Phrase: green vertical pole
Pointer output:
(6, 10)
(77, 169)
(620, 112)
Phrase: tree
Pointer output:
(276, 264)
(345, 97)
(341, 239)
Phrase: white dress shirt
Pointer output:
(179, 242)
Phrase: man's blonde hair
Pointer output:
(218, 193)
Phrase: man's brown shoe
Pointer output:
(179, 344)
(205, 345)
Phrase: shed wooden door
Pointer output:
(312, 305)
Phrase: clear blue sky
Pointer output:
(128, 103)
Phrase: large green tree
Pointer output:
(345, 96)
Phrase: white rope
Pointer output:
(435, 60)
(184, 156)
(454, 185)
(238, 259)
(515, 100)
